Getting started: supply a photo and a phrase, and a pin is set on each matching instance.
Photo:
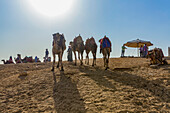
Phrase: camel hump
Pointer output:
(90, 41)
(159, 52)
(78, 40)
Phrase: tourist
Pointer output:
(46, 55)
(69, 56)
(123, 50)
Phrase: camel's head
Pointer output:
(150, 54)
(56, 37)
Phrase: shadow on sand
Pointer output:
(94, 73)
(66, 95)
(102, 77)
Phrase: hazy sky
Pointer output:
(26, 31)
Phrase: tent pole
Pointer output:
(138, 52)
(138, 49)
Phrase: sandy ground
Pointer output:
(130, 85)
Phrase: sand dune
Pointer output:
(130, 85)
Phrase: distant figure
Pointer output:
(123, 50)
(36, 59)
(10, 61)
(18, 59)
(69, 56)
(46, 55)
(141, 51)
(145, 50)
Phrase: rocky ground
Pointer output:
(130, 85)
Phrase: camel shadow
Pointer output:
(66, 95)
(100, 78)
(155, 88)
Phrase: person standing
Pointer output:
(69, 56)
(46, 55)
(145, 50)
(141, 51)
(36, 59)
(123, 50)
(10, 60)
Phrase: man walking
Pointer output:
(46, 55)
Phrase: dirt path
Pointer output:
(130, 85)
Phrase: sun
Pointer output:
(52, 8)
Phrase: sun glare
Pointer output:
(52, 8)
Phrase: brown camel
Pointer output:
(156, 56)
(6, 62)
(78, 45)
(105, 48)
(10, 61)
(91, 46)
(58, 48)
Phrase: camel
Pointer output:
(156, 56)
(91, 46)
(25, 59)
(78, 45)
(58, 48)
(105, 48)
(8, 61)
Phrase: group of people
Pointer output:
(143, 51)
(27, 59)
(17, 60)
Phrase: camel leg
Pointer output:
(82, 58)
(93, 58)
(53, 62)
(88, 59)
(75, 58)
(104, 58)
(107, 59)
(61, 62)
(58, 61)
(107, 62)
(79, 55)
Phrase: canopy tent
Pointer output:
(137, 44)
